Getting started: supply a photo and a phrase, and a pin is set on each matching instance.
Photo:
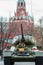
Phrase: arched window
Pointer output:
(21, 4)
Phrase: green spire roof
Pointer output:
(21, 0)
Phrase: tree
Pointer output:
(3, 30)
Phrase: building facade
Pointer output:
(21, 17)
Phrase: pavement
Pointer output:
(24, 63)
(20, 63)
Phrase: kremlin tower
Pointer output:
(27, 21)
(21, 17)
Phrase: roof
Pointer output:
(31, 18)
(21, 0)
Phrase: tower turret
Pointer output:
(21, 10)
(21, 3)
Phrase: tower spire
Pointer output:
(21, 0)
(21, 3)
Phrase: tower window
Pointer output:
(21, 4)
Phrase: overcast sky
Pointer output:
(8, 7)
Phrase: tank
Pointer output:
(19, 51)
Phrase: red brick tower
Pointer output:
(21, 17)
